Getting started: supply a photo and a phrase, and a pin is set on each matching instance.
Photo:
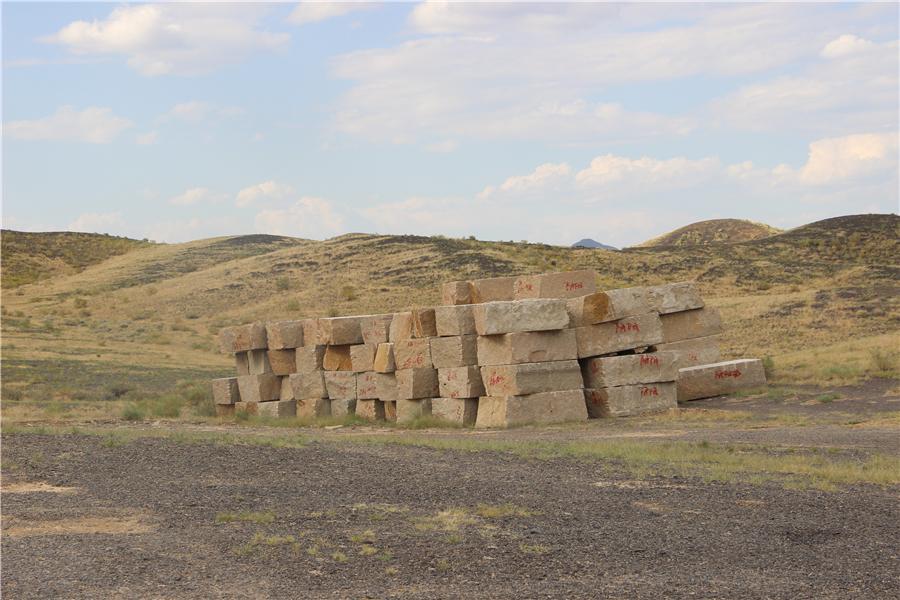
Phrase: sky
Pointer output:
(505, 121)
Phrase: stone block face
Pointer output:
(337, 358)
(546, 407)
(611, 305)
(311, 408)
(630, 369)
(412, 354)
(455, 292)
(284, 334)
(409, 409)
(287, 389)
(542, 314)
(675, 297)
(309, 358)
(341, 407)
(384, 359)
(567, 284)
(386, 386)
(531, 378)
(282, 362)
(629, 400)
(308, 385)
(416, 383)
(340, 331)
(717, 379)
(259, 388)
(390, 410)
(367, 386)
(341, 385)
(310, 332)
(242, 363)
(373, 410)
(495, 289)
(461, 411)
(460, 382)
(525, 347)
(616, 336)
(689, 324)
(278, 408)
(454, 320)
(225, 390)
(362, 357)
(695, 351)
(375, 328)
(249, 408)
(456, 351)
(243, 338)
(417, 323)
(258, 361)
(225, 410)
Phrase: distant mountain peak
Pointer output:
(589, 243)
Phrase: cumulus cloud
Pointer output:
(542, 178)
(161, 39)
(849, 157)
(147, 139)
(197, 195)
(845, 45)
(646, 172)
(97, 222)
(265, 191)
(306, 217)
(313, 12)
(94, 125)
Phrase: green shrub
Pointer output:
(348, 293)
(168, 406)
(292, 305)
(769, 367)
(133, 412)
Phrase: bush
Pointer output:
(348, 293)
(168, 406)
(133, 412)
(80, 303)
(116, 391)
(282, 284)
(882, 362)
(292, 305)
(769, 367)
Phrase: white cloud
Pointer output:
(147, 139)
(196, 195)
(543, 177)
(646, 172)
(160, 39)
(97, 222)
(306, 217)
(93, 124)
(849, 157)
(845, 45)
(313, 12)
(265, 191)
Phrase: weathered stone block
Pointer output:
(341, 385)
(310, 332)
(278, 408)
(337, 358)
(284, 334)
(411, 354)
(531, 378)
(375, 328)
(373, 410)
(688, 324)
(695, 351)
(454, 320)
(546, 407)
(340, 331)
(616, 336)
(390, 410)
(611, 305)
(282, 362)
(417, 323)
(630, 369)
(242, 363)
(243, 338)
(526, 347)
(367, 386)
(411, 409)
(717, 379)
(308, 385)
(384, 358)
(541, 314)
(455, 292)
(386, 386)
(341, 407)
(674, 297)
(495, 289)
(259, 388)
(248, 408)
(287, 389)
(556, 285)
(362, 357)
(460, 382)
(416, 383)
(309, 358)
(225, 410)
(461, 411)
(456, 351)
(628, 400)
(225, 390)
(311, 408)
(258, 361)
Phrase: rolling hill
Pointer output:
(715, 231)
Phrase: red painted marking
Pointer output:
(595, 367)
(735, 373)
(574, 285)
(649, 391)
(624, 327)
(649, 359)
(495, 379)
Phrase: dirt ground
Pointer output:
(155, 517)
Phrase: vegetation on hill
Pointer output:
(715, 231)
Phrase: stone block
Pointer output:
(310, 332)
(284, 334)
(460, 382)
(386, 386)
(674, 297)
(384, 358)
(455, 292)
(225, 410)
(546, 407)
(615, 336)
(367, 386)
(417, 323)
(689, 324)
(278, 408)
(308, 385)
(373, 410)
(362, 357)
(411, 409)
(411, 354)
(282, 362)
(531, 378)
(454, 320)
(695, 351)
(556, 285)
(225, 390)
(242, 363)
(541, 314)
(340, 331)
(341, 407)
(337, 358)
(416, 383)
(611, 305)
(247, 408)
(287, 389)
(259, 388)
(311, 408)
(390, 410)
(258, 361)
(375, 328)
(718, 379)
(460, 411)
(495, 289)
(526, 347)
(630, 369)
(456, 351)
(242, 338)
(629, 400)
(341, 385)
(309, 358)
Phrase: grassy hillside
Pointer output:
(826, 311)
(715, 231)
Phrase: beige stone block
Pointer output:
(312, 408)
(247, 408)
(341, 385)
(375, 328)
(525, 347)
(242, 338)
(282, 362)
(688, 324)
(341, 407)
(386, 386)
(259, 388)
(411, 409)
(310, 332)
(411, 354)
(340, 331)
(417, 323)
(675, 297)
(390, 411)
(258, 361)
(611, 305)
(337, 358)
(362, 357)
(541, 314)
(495, 289)
(546, 407)
(718, 379)
(416, 383)
(277, 408)
(629, 400)
(284, 334)
(367, 386)
(454, 320)
(567, 284)
(630, 369)
(460, 382)
(225, 410)
(308, 385)
(695, 351)
(287, 389)
(384, 358)
(309, 358)
(531, 378)
(373, 410)
(455, 292)
(460, 411)
(242, 363)
(616, 336)
(225, 390)
(456, 351)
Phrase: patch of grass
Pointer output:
(884, 363)
(260, 518)
(132, 412)
(339, 557)
(534, 548)
(368, 550)
(391, 571)
(500, 511)
(451, 519)
(364, 537)
(828, 397)
(442, 565)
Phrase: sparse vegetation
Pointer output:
(260, 518)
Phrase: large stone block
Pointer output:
(246, 408)
(308, 385)
(688, 324)
(367, 385)
(628, 400)
(717, 379)
(258, 361)
(259, 388)
(311, 408)
(541, 314)
(411, 409)
(546, 407)
(340, 331)
(384, 358)
(556, 285)
(242, 363)
(242, 338)
(362, 357)
(616, 336)
(695, 351)
(310, 332)
(461, 411)
(282, 362)
(341, 385)
(390, 410)
(278, 408)
(630, 369)
(225, 410)
(287, 389)
(526, 347)
(373, 410)
(454, 320)
(341, 407)
(375, 328)
(417, 323)
(611, 305)
(284, 334)
(412, 354)
(495, 289)
(674, 297)
(456, 351)
(386, 386)
(416, 383)
(455, 292)
(460, 382)
(531, 378)
(309, 358)
(337, 358)
(225, 390)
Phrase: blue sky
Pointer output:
(539, 122)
